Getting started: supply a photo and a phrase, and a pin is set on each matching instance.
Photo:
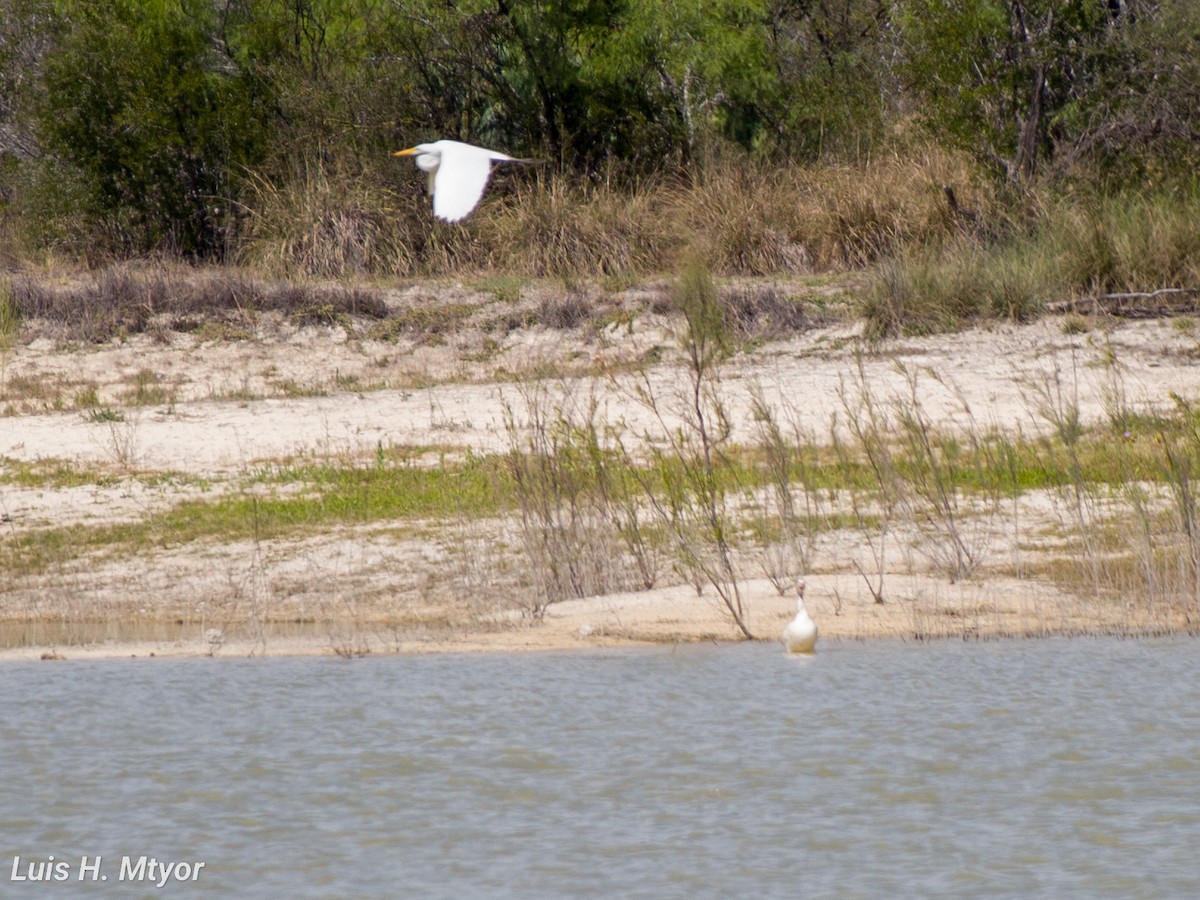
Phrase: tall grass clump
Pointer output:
(932, 291)
(894, 201)
(10, 324)
(916, 294)
(580, 533)
(754, 217)
(318, 221)
(1129, 241)
(10, 316)
(745, 219)
(689, 455)
(1089, 245)
(553, 228)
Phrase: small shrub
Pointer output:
(565, 311)
(123, 300)
(758, 312)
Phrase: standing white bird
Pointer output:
(800, 636)
(458, 173)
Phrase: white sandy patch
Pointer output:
(1003, 375)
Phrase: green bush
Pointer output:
(149, 123)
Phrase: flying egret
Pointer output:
(800, 636)
(458, 173)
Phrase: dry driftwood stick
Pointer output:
(1131, 304)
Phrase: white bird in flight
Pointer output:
(800, 636)
(458, 173)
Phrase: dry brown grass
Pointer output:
(322, 223)
(757, 219)
(743, 216)
(125, 299)
(1078, 247)
(555, 228)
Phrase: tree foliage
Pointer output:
(1023, 83)
(145, 117)
(138, 101)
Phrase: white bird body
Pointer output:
(458, 173)
(800, 636)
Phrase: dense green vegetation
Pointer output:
(769, 135)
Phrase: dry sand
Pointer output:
(222, 408)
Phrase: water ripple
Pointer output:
(1016, 769)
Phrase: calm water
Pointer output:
(1036, 768)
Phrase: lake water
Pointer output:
(1046, 768)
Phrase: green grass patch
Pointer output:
(337, 495)
(299, 498)
(51, 474)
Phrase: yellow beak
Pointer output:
(411, 151)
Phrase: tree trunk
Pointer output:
(1027, 139)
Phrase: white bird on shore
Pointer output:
(458, 173)
(800, 636)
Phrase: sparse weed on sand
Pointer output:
(588, 508)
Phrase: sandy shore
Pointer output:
(222, 408)
(921, 609)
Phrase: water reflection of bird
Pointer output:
(800, 636)
(458, 173)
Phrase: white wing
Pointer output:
(460, 179)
